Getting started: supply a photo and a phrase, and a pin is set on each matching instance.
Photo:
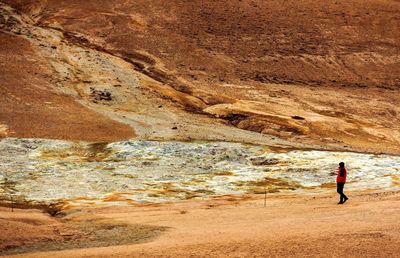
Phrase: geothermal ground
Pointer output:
(135, 172)
(149, 128)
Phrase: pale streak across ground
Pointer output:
(149, 171)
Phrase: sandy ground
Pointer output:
(289, 226)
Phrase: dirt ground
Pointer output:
(289, 226)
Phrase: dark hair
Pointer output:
(341, 166)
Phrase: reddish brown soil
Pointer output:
(308, 42)
(255, 64)
(29, 107)
(19, 228)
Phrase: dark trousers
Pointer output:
(340, 187)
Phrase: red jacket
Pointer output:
(339, 178)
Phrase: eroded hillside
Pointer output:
(318, 74)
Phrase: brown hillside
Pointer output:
(30, 108)
(349, 43)
(315, 72)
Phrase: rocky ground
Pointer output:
(132, 172)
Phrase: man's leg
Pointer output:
(340, 192)
(344, 197)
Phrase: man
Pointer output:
(340, 181)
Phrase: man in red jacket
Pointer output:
(340, 181)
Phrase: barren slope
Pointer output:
(345, 43)
(314, 72)
(94, 79)
(30, 108)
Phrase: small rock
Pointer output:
(298, 118)
(100, 95)
(264, 161)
